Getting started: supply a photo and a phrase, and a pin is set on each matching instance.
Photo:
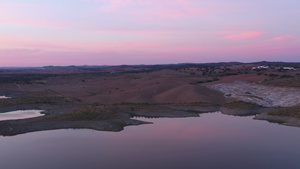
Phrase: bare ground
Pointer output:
(266, 96)
(175, 91)
(284, 120)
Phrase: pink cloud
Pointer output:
(23, 14)
(151, 8)
(149, 32)
(132, 46)
(225, 32)
(92, 46)
(168, 13)
(282, 48)
(188, 49)
(279, 38)
(242, 35)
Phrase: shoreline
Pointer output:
(124, 118)
(99, 97)
(282, 120)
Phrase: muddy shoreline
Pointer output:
(283, 120)
(124, 118)
(12, 128)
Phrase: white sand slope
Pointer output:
(20, 114)
(263, 95)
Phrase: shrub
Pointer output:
(241, 105)
(287, 111)
(286, 76)
(273, 75)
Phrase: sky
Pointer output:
(117, 32)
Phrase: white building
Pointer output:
(288, 68)
(260, 67)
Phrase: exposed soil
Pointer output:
(150, 91)
(11, 128)
(266, 96)
(284, 120)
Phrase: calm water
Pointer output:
(4, 97)
(20, 114)
(213, 140)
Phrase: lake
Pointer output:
(213, 140)
(4, 97)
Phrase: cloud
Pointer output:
(168, 13)
(279, 38)
(187, 50)
(35, 15)
(241, 35)
(151, 8)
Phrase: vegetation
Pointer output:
(241, 105)
(129, 106)
(206, 81)
(98, 111)
(197, 73)
(87, 113)
(200, 104)
(283, 64)
(284, 82)
(23, 78)
(273, 75)
(131, 103)
(286, 76)
(50, 100)
(287, 111)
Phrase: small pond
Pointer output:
(20, 114)
(4, 97)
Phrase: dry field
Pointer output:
(119, 92)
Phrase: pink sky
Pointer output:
(112, 32)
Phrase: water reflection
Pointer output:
(211, 141)
(4, 97)
(20, 114)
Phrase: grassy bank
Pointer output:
(87, 113)
(287, 111)
(241, 105)
(283, 82)
(52, 100)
